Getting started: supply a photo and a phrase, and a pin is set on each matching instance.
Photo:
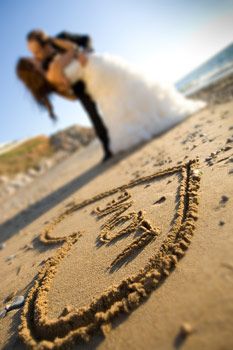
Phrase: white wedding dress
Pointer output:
(132, 108)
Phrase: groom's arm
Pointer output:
(80, 40)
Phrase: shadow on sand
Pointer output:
(34, 211)
(37, 209)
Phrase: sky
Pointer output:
(164, 39)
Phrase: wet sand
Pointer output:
(132, 254)
(218, 92)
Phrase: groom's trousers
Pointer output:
(90, 106)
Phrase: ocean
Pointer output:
(217, 67)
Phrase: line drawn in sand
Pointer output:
(37, 331)
(136, 224)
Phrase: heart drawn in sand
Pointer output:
(117, 219)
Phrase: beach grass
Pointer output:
(26, 155)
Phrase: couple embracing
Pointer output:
(124, 107)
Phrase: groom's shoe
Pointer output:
(107, 156)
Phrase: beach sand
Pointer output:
(218, 92)
(135, 253)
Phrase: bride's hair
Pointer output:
(36, 83)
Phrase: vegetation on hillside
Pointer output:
(26, 155)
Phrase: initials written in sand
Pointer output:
(120, 222)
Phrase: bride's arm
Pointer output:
(64, 44)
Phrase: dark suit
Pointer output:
(79, 89)
(80, 40)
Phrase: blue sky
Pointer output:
(165, 39)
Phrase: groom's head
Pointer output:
(39, 44)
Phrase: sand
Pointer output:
(132, 254)
(218, 92)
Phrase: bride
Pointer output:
(133, 109)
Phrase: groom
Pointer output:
(45, 48)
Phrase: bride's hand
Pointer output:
(82, 57)
(64, 59)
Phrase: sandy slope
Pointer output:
(197, 290)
